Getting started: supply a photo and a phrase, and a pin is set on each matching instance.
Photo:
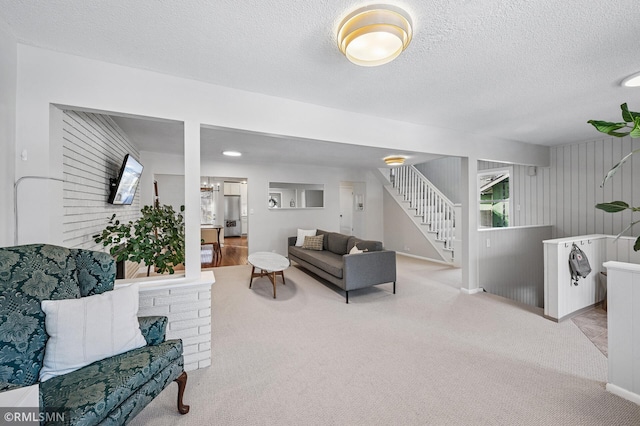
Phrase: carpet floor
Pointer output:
(426, 355)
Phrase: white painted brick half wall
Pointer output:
(189, 313)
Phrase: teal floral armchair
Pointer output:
(110, 391)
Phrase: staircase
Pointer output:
(432, 212)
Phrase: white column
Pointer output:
(192, 198)
(469, 224)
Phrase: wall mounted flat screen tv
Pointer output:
(123, 188)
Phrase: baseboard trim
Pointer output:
(472, 291)
(574, 313)
(428, 259)
(623, 393)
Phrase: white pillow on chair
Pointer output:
(304, 233)
(85, 330)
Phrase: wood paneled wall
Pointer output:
(93, 150)
(565, 194)
(577, 171)
(511, 262)
(531, 192)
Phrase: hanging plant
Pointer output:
(155, 238)
(630, 126)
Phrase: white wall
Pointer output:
(444, 173)
(170, 190)
(8, 67)
(269, 228)
(47, 77)
(401, 234)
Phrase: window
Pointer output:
(495, 198)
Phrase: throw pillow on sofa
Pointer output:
(337, 243)
(355, 250)
(82, 331)
(313, 243)
(304, 233)
(366, 245)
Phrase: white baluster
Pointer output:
(414, 190)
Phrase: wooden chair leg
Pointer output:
(182, 383)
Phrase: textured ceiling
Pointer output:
(527, 70)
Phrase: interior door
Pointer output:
(346, 209)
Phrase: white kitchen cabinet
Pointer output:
(243, 199)
(243, 221)
(232, 188)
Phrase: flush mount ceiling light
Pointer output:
(232, 153)
(394, 160)
(374, 35)
(632, 80)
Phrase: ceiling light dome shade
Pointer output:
(394, 160)
(374, 35)
(632, 80)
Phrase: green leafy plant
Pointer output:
(155, 238)
(630, 126)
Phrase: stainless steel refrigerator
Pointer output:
(232, 223)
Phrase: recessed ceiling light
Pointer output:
(632, 80)
(232, 153)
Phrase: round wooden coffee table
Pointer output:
(270, 265)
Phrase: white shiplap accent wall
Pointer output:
(562, 298)
(511, 262)
(93, 149)
(576, 173)
(565, 194)
(530, 193)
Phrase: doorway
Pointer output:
(224, 223)
(346, 208)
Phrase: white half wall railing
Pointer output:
(562, 299)
(623, 314)
(187, 305)
(432, 207)
(511, 262)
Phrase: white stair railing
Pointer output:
(432, 207)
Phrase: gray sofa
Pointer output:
(347, 271)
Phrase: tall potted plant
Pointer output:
(155, 238)
(630, 126)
